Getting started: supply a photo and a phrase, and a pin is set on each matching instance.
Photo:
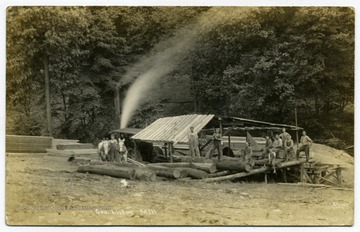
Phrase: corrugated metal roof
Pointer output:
(173, 129)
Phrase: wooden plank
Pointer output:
(339, 176)
(322, 178)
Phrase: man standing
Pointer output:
(305, 143)
(217, 143)
(284, 135)
(277, 144)
(193, 143)
(288, 148)
(113, 149)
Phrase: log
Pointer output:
(173, 173)
(255, 171)
(196, 174)
(143, 174)
(135, 162)
(198, 159)
(207, 167)
(239, 175)
(233, 165)
(221, 173)
(119, 172)
(169, 173)
(266, 162)
(172, 165)
(289, 163)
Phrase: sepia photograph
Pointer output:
(179, 116)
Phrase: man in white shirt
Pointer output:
(305, 143)
(193, 143)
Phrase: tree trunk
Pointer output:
(199, 159)
(221, 173)
(255, 171)
(119, 172)
(47, 95)
(173, 173)
(234, 166)
(207, 167)
(196, 174)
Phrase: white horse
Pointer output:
(122, 150)
(103, 150)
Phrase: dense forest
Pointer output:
(253, 62)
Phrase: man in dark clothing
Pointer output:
(217, 143)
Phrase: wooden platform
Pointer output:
(320, 173)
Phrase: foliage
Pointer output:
(258, 62)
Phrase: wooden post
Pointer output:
(47, 95)
(339, 176)
(220, 126)
(284, 172)
(266, 179)
(165, 149)
(170, 152)
(301, 173)
(297, 132)
(229, 145)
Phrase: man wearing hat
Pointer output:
(193, 143)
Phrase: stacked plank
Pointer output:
(27, 144)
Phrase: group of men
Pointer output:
(281, 146)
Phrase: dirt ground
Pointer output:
(47, 190)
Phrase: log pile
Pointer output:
(206, 170)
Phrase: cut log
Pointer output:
(233, 165)
(173, 165)
(119, 172)
(266, 162)
(207, 167)
(255, 171)
(196, 174)
(198, 159)
(239, 175)
(221, 173)
(289, 163)
(135, 162)
(143, 174)
(169, 173)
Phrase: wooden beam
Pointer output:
(322, 178)
(339, 176)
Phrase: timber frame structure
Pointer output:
(167, 133)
